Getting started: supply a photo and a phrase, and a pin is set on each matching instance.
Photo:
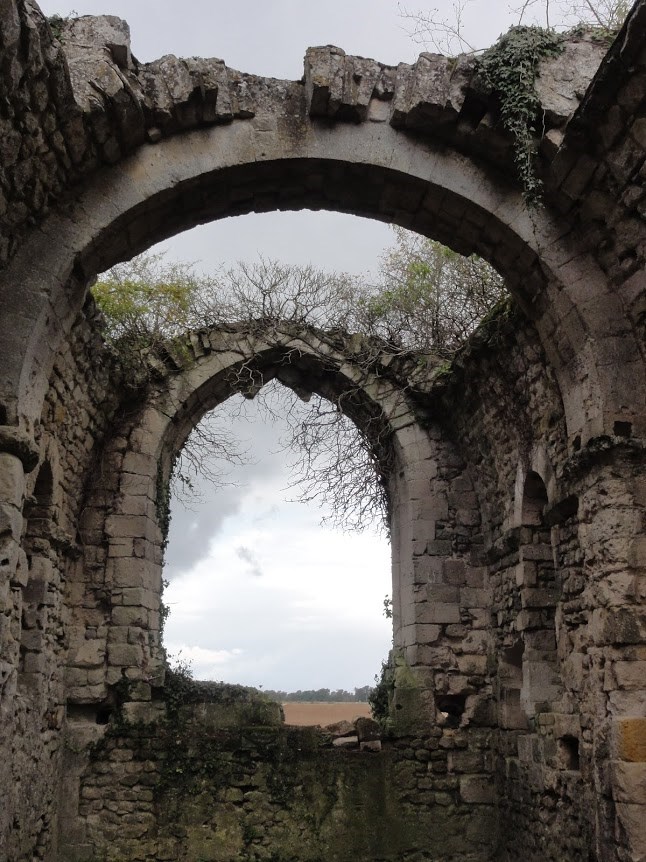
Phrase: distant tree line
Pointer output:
(321, 695)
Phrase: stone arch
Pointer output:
(534, 500)
(292, 162)
(38, 520)
(124, 514)
(537, 578)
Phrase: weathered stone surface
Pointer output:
(630, 739)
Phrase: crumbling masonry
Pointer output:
(516, 474)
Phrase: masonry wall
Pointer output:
(226, 779)
(518, 678)
(565, 618)
(36, 627)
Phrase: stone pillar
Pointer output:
(606, 665)
(441, 603)
(18, 456)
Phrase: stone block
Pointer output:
(476, 642)
(526, 573)
(536, 553)
(471, 598)
(455, 572)
(629, 739)
(121, 548)
(466, 761)
(127, 526)
(478, 790)
(632, 819)
(90, 654)
(427, 634)
(10, 520)
(439, 548)
(438, 613)
(566, 726)
(133, 572)
(476, 577)
(31, 639)
(472, 665)
(125, 655)
(131, 615)
(442, 593)
(537, 598)
(617, 626)
(15, 559)
(527, 619)
(118, 634)
(630, 674)
(136, 507)
(367, 729)
(12, 480)
(427, 570)
(143, 465)
(572, 672)
(459, 684)
(629, 782)
(144, 598)
(35, 662)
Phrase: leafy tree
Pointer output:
(428, 299)
(147, 300)
(320, 695)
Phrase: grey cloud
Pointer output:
(193, 529)
(248, 556)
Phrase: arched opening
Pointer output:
(38, 532)
(368, 170)
(534, 500)
(539, 593)
(201, 374)
(264, 595)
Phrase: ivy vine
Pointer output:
(510, 68)
(57, 25)
(162, 504)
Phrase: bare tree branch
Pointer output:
(429, 299)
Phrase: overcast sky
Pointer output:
(259, 592)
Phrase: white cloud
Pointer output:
(313, 619)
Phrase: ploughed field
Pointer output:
(324, 713)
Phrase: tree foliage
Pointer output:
(320, 695)
(428, 299)
(147, 300)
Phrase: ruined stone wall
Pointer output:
(559, 677)
(479, 734)
(440, 628)
(35, 627)
(226, 780)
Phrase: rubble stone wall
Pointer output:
(220, 782)
(37, 623)
(560, 533)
